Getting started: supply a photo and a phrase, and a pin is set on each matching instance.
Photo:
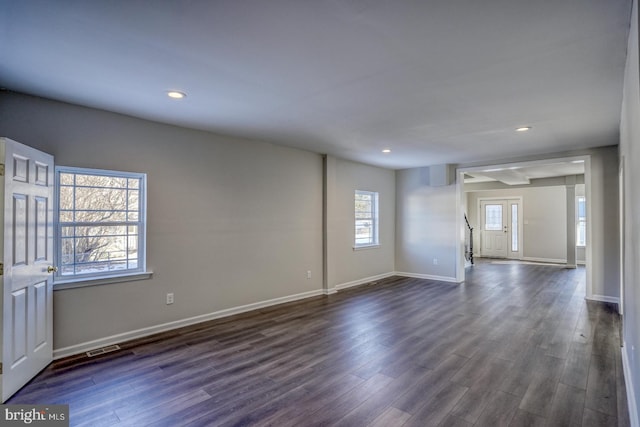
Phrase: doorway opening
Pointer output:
(500, 212)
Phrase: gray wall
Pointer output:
(426, 226)
(347, 266)
(630, 152)
(603, 210)
(544, 215)
(231, 222)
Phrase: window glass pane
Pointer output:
(132, 245)
(65, 196)
(66, 178)
(363, 206)
(100, 216)
(65, 216)
(493, 217)
(67, 232)
(514, 228)
(581, 233)
(364, 232)
(582, 208)
(100, 231)
(133, 200)
(67, 253)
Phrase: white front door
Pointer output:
(27, 256)
(494, 228)
(501, 228)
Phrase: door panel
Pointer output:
(40, 228)
(19, 226)
(27, 297)
(40, 330)
(19, 333)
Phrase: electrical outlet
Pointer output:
(308, 274)
(435, 261)
(170, 298)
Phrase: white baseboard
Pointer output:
(141, 333)
(604, 298)
(427, 276)
(547, 260)
(363, 281)
(631, 397)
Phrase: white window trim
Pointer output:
(365, 247)
(68, 282)
(96, 281)
(376, 221)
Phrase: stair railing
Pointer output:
(468, 250)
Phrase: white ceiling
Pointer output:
(436, 81)
(522, 174)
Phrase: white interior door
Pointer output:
(27, 297)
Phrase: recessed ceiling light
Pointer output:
(577, 161)
(176, 94)
(523, 129)
(386, 150)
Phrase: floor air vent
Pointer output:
(103, 350)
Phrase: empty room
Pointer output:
(320, 213)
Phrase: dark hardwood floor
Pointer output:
(515, 345)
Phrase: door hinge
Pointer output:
(0, 368)
(1, 271)
(1, 169)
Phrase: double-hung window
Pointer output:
(100, 223)
(366, 219)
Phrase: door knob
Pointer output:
(52, 269)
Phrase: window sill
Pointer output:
(364, 248)
(62, 284)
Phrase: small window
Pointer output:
(366, 218)
(581, 221)
(100, 223)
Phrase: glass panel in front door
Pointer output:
(493, 217)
